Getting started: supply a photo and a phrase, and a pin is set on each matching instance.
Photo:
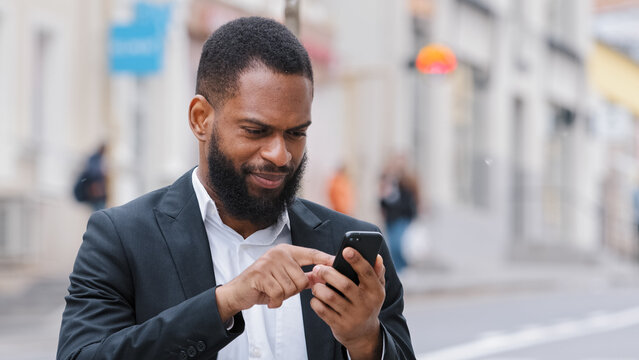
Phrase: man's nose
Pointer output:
(276, 152)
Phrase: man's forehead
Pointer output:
(267, 85)
(265, 73)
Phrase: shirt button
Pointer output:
(183, 355)
(201, 346)
(191, 351)
(255, 352)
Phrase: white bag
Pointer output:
(416, 243)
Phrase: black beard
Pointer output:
(232, 190)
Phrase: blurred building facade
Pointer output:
(613, 76)
(507, 159)
(52, 105)
(613, 70)
(505, 138)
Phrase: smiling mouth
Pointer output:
(268, 180)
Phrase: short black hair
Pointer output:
(246, 43)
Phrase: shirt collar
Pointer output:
(209, 211)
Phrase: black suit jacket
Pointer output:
(143, 286)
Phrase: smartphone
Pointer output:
(367, 243)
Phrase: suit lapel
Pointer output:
(179, 218)
(308, 230)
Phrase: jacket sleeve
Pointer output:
(394, 328)
(99, 320)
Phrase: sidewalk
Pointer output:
(514, 277)
(31, 305)
(29, 290)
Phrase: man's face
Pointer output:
(256, 153)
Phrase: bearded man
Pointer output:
(227, 262)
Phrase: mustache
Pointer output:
(270, 168)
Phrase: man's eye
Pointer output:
(297, 134)
(254, 131)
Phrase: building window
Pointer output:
(562, 20)
(40, 82)
(468, 114)
(557, 194)
(519, 190)
(521, 36)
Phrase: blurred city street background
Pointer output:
(521, 140)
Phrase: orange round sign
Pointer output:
(436, 59)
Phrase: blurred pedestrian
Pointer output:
(211, 266)
(90, 187)
(398, 201)
(340, 192)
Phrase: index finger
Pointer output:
(307, 256)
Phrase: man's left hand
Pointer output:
(354, 318)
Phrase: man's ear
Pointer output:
(201, 114)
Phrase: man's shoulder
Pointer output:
(325, 214)
(137, 209)
(166, 198)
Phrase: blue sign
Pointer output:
(157, 15)
(138, 47)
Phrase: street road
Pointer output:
(600, 324)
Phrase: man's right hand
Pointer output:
(271, 279)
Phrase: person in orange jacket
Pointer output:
(340, 192)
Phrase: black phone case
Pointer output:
(367, 243)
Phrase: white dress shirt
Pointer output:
(269, 333)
